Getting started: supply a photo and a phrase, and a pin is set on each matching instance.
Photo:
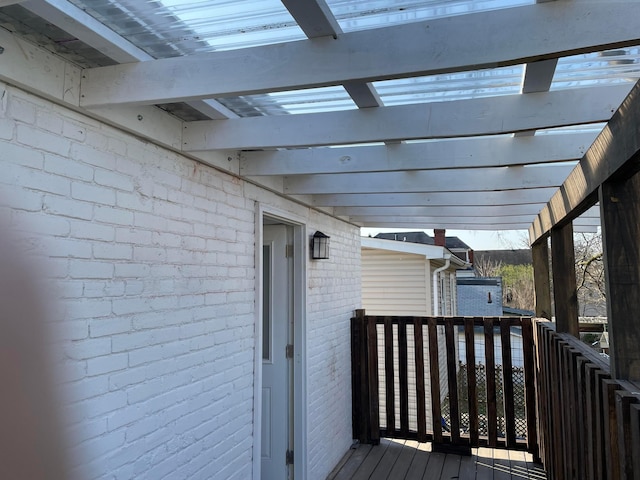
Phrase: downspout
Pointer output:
(436, 297)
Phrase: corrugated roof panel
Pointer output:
(291, 102)
(453, 86)
(358, 15)
(599, 68)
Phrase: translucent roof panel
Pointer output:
(600, 68)
(311, 100)
(452, 86)
(179, 27)
(358, 15)
(166, 28)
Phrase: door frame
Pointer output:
(299, 290)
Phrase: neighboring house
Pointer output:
(480, 296)
(405, 278)
(398, 278)
(453, 244)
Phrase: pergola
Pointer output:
(418, 114)
(454, 114)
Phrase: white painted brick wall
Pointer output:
(152, 256)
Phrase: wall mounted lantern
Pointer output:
(319, 246)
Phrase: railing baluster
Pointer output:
(454, 410)
(590, 419)
(434, 370)
(403, 376)
(492, 414)
(624, 400)
(601, 445)
(529, 387)
(472, 389)
(418, 341)
(389, 377)
(374, 399)
(583, 420)
(507, 384)
(635, 437)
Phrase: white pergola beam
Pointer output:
(454, 225)
(539, 75)
(459, 118)
(485, 179)
(422, 220)
(466, 219)
(314, 17)
(439, 154)
(84, 27)
(530, 210)
(464, 42)
(316, 20)
(441, 223)
(435, 199)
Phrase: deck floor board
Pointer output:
(410, 460)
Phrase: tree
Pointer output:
(590, 281)
(517, 286)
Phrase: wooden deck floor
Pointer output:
(409, 460)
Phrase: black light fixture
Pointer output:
(320, 246)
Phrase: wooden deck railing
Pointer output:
(590, 423)
(408, 383)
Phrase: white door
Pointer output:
(276, 368)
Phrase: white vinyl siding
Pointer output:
(395, 283)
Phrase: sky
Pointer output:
(476, 239)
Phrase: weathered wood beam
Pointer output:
(465, 42)
(459, 153)
(564, 279)
(459, 118)
(540, 254)
(620, 206)
(615, 147)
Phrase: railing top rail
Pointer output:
(477, 321)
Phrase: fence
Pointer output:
(397, 388)
(591, 421)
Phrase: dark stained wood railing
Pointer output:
(410, 404)
(589, 422)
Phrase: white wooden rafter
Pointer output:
(315, 19)
(460, 180)
(459, 118)
(84, 27)
(504, 198)
(452, 44)
(438, 154)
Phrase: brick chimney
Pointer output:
(439, 239)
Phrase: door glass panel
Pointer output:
(266, 302)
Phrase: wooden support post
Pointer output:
(620, 214)
(540, 254)
(564, 280)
